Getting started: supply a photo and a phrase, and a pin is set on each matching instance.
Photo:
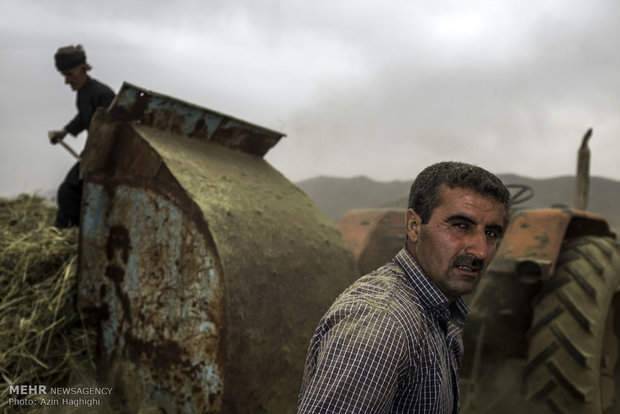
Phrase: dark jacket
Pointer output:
(91, 96)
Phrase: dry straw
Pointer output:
(44, 339)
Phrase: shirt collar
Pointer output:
(430, 296)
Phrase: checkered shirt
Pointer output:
(391, 343)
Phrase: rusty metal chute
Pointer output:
(210, 267)
(139, 106)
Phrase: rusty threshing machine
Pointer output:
(208, 267)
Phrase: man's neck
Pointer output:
(84, 84)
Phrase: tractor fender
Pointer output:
(373, 235)
(532, 242)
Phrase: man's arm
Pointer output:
(97, 96)
(354, 363)
(75, 126)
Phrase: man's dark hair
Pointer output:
(424, 194)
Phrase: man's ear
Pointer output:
(413, 225)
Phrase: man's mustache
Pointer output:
(469, 261)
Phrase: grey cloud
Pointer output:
(361, 88)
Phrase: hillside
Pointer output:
(335, 196)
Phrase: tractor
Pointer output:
(543, 333)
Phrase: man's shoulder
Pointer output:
(98, 87)
(385, 290)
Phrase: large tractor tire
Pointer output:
(573, 364)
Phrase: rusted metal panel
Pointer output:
(373, 235)
(172, 115)
(169, 197)
(159, 283)
(535, 237)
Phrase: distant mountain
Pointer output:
(335, 196)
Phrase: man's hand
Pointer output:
(56, 136)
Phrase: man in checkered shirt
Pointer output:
(392, 342)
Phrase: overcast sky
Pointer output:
(375, 88)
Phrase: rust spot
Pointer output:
(242, 138)
(543, 240)
(118, 239)
(200, 130)
(175, 123)
(116, 275)
(148, 118)
(102, 291)
(133, 111)
(173, 360)
(213, 399)
(104, 312)
(167, 353)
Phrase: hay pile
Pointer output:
(43, 338)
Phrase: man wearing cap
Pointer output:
(91, 94)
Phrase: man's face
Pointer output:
(459, 240)
(76, 77)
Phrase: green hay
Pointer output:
(44, 339)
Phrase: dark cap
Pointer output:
(69, 57)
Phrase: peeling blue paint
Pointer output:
(170, 114)
(170, 297)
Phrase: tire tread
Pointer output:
(563, 371)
